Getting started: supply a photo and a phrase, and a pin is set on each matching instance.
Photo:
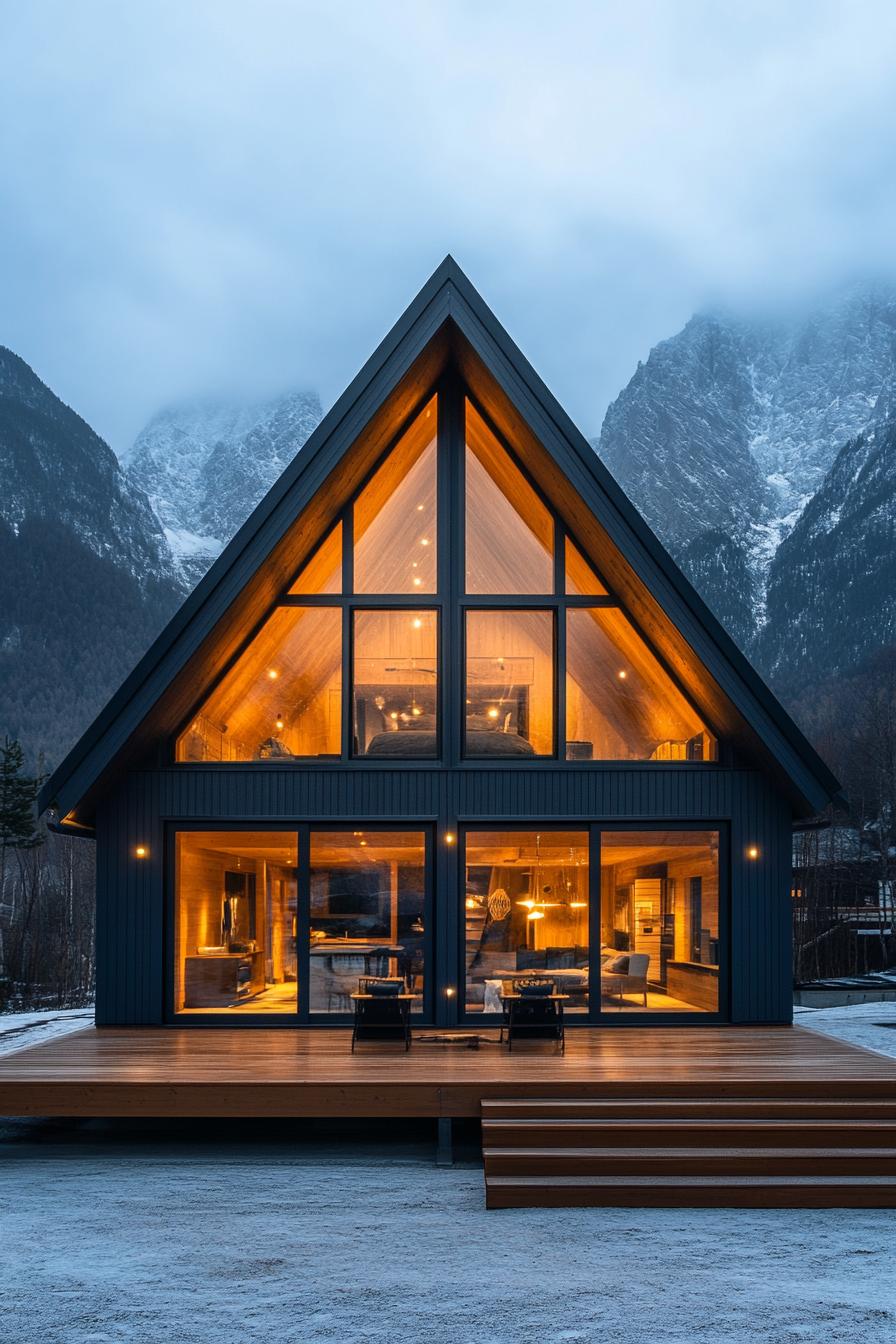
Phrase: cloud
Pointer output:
(217, 194)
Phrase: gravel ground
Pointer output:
(216, 1233)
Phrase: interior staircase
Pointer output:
(724, 1152)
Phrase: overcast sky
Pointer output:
(197, 195)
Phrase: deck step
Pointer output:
(732, 1108)
(623, 1162)
(680, 1152)
(697, 1133)
(783, 1192)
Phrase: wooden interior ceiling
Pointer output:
(355, 849)
(252, 846)
(581, 580)
(509, 532)
(323, 572)
(395, 516)
(621, 682)
(619, 574)
(285, 671)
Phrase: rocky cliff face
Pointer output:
(832, 583)
(730, 428)
(204, 467)
(86, 577)
(56, 470)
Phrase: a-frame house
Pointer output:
(443, 710)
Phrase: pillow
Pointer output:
(419, 723)
(560, 958)
(481, 723)
(616, 966)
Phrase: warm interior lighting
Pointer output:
(279, 721)
(535, 914)
(142, 852)
(752, 851)
(622, 674)
(273, 674)
(493, 712)
(417, 623)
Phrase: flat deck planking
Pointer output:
(242, 1072)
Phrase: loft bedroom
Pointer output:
(448, 612)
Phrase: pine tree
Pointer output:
(18, 800)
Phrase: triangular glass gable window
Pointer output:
(395, 516)
(281, 698)
(621, 704)
(581, 580)
(323, 572)
(509, 531)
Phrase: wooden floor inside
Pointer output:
(273, 1072)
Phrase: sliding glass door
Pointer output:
(624, 921)
(368, 914)
(287, 922)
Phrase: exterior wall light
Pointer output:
(449, 992)
(141, 852)
(752, 851)
(450, 837)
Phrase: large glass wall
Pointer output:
(620, 703)
(235, 922)
(547, 662)
(509, 531)
(281, 699)
(367, 893)
(395, 684)
(525, 913)
(659, 917)
(509, 704)
(395, 516)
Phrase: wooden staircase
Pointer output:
(749, 1152)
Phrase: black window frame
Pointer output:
(451, 604)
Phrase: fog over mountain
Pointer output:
(205, 465)
(730, 429)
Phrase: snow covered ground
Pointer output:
(227, 1233)
(20, 1029)
(858, 1023)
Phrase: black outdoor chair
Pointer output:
(382, 1014)
(533, 1011)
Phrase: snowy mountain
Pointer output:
(832, 583)
(85, 572)
(56, 470)
(730, 428)
(205, 465)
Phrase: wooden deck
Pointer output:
(284, 1073)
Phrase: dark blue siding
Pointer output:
(131, 949)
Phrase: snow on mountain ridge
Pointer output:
(205, 465)
(732, 425)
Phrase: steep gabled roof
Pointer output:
(448, 322)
